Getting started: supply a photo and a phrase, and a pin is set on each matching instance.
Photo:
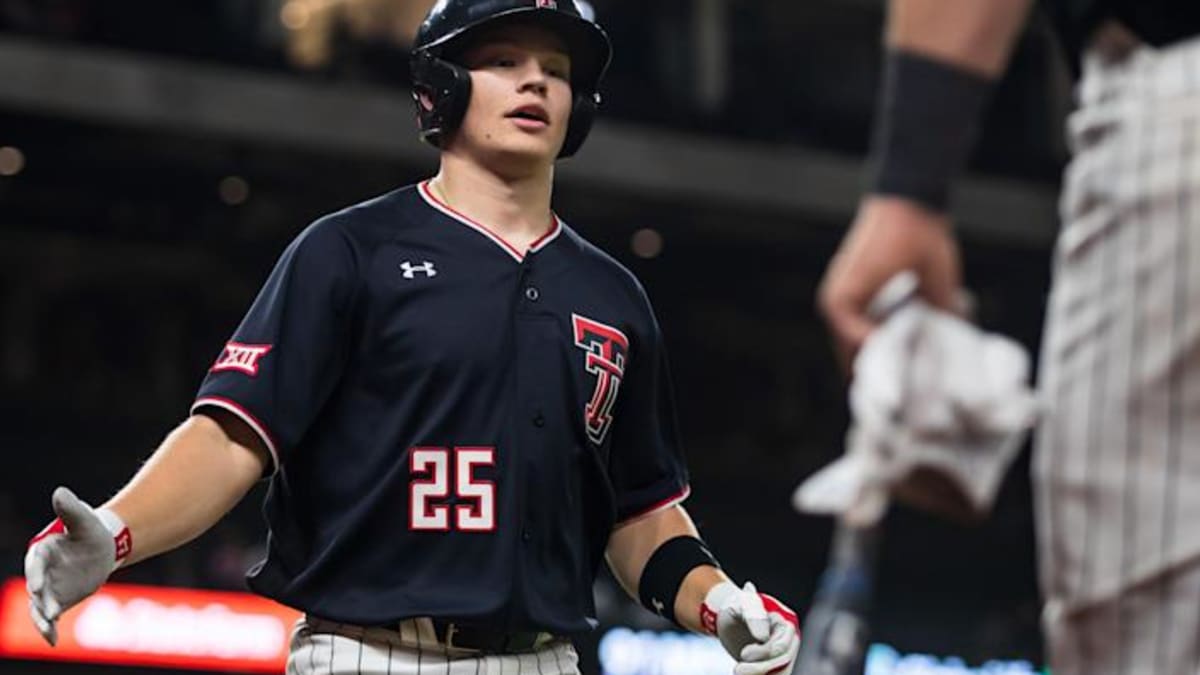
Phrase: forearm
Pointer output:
(198, 473)
(696, 586)
(942, 62)
(630, 548)
(977, 35)
(661, 562)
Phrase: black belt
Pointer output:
(486, 639)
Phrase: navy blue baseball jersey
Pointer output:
(456, 426)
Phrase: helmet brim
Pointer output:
(587, 43)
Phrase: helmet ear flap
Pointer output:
(441, 92)
(583, 113)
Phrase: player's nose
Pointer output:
(532, 77)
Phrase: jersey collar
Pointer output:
(537, 245)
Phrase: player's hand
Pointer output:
(67, 561)
(759, 632)
(889, 235)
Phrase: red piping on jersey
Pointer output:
(246, 416)
(538, 244)
(555, 228)
(666, 503)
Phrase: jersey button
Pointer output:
(532, 294)
(539, 420)
(526, 535)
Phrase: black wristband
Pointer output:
(665, 571)
(925, 127)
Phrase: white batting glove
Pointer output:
(759, 632)
(71, 558)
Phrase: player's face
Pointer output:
(520, 95)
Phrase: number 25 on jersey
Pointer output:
(429, 484)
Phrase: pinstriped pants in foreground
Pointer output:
(320, 647)
(1117, 467)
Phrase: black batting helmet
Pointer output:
(447, 85)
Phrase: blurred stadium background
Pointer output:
(155, 157)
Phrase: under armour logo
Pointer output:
(410, 270)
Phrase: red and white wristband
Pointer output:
(122, 539)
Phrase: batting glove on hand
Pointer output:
(759, 632)
(71, 558)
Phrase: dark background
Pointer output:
(131, 244)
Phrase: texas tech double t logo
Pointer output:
(606, 349)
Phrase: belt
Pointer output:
(482, 638)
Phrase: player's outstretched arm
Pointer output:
(197, 474)
(660, 560)
(942, 61)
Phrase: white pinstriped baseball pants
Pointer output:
(1117, 466)
(320, 647)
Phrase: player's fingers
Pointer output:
(37, 601)
(849, 326)
(780, 611)
(941, 276)
(46, 603)
(754, 652)
(35, 569)
(878, 246)
(50, 606)
(75, 514)
(844, 306)
(754, 614)
(781, 639)
(783, 635)
(44, 626)
(35, 613)
(768, 667)
(40, 564)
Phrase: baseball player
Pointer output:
(461, 405)
(1117, 469)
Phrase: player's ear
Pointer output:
(425, 100)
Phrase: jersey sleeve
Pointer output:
(289, 351)
(647, 464)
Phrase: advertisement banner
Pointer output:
(131, 625)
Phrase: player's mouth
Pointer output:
(531, 117)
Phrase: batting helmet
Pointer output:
(446, 85)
